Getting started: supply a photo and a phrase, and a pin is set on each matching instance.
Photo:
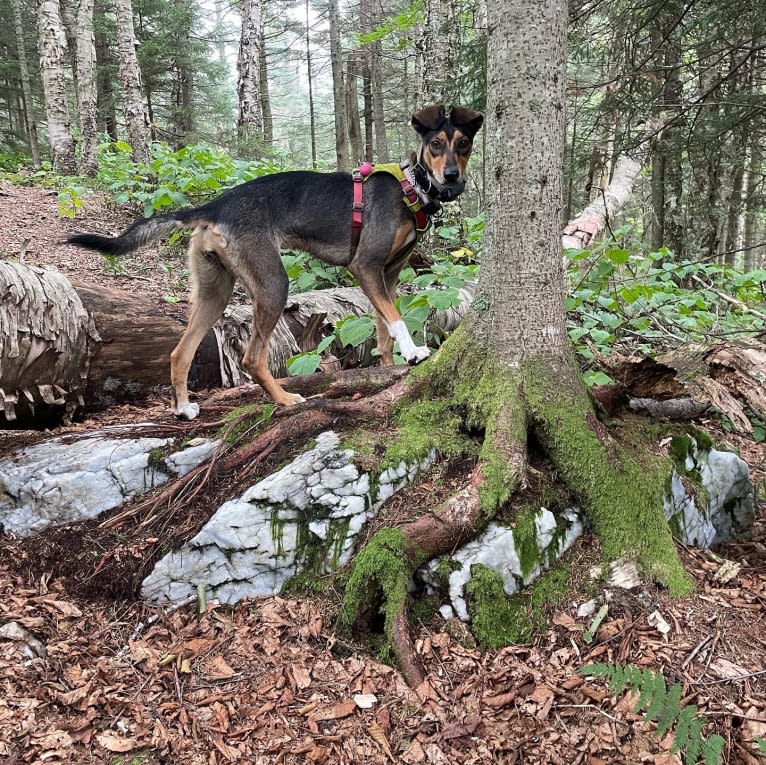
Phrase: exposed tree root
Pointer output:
(385, 566)
(463, 396)
(303, 421)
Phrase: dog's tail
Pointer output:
(140, 233)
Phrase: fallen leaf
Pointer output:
(116, 743)
(335, 712)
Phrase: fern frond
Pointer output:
(671, 709)
(657, 703)
(597, 670)
(712, 750)
(647, 690)
(695, 740)
(619, 680)
(683, 729)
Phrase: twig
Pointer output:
(699, 647)
(141, 626)
(729, 299)
(590, 706)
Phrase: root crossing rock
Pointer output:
(302, 519)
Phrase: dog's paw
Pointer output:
(187, 411)
(291, 399)
(417, 354)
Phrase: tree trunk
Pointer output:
(352, 109)
(509, 372)
(86, 88)
(338, 90)
(105, 95)
(182, 88)
(435, 51)
(263, 74)
(130, 82)
(249, 109)
(29, 116)
(53, 48)
(312, 115)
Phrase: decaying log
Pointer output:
(728, 376)
(46, 341)
(64, 344)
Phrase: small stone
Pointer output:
(587, 609)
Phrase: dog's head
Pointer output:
(446, 141)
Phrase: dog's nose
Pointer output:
(451, 175)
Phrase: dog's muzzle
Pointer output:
(451, 192)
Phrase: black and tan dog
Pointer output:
(239, 236)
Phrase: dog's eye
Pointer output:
(464, 144)
(436, 145)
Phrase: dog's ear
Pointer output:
(428, 119)
(466, 120)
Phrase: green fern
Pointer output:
(664, 706)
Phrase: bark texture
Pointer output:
(86, 88)
(53, 50)
(29, 116)
(130, 82)
(249, 110)
(338, 89)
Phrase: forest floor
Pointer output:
(97, 677)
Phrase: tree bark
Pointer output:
(29, 115)
(130, 83)
(263, 74)
(352, 109)
(53, 47)
(249, 109)
(338, 89)
(86, 88)
(105, 92)
(312, 114)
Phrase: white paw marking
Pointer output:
(412, 353)
(187, 411)
(419, 353)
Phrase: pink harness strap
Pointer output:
(404, 176)
(356, 210)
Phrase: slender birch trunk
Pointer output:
(85, 63)
(249, 110)
(130, 82)
(53, 47)
(29, 113)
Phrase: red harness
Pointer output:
(411, 199)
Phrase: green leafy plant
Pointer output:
(625, 299)
(663, 705)
(70, 200)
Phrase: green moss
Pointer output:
(156, 461)
(249, 419)
(459, 398)
(525, 539)
(622, 498)
(379, 581)
(498, 620)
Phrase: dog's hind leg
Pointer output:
(212, 285)
(267, 283)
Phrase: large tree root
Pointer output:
(462, 397)
(239, 460)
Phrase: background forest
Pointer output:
(302, 84)
(165, 103)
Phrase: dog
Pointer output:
(239, 235)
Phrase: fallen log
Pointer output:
(729, 376)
